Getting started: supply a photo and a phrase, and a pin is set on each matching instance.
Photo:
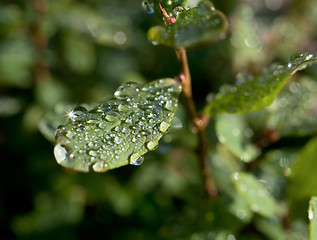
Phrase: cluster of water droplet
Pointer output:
(300, 59)
(253, 93)
(119, 131)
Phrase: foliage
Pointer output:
(85, 70)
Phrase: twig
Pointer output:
(198, 122)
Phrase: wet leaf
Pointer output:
(233, 132)
(194, 27)
(303, 179)
(119, 131)
(293, 112)
(254, 93)
(254, 193)
(312, 215)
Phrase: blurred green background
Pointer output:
(56, 54)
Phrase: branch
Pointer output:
(198, 122)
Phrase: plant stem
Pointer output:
(198, 122)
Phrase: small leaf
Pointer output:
(233, 132)
(197, 26)
(312, 215)
(303, 179)
(254, 93)
(119, 131)
(255, 194)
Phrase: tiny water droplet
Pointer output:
(125, 131)
(92, 153)
(117, 140)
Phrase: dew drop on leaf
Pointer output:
(78, 114)
(60, 153)
(135, 160)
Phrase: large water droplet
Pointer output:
(136, 159)
(127, 90)
(164, 126)
(151, 145)
(100, 166)
(111, 118)
(78, 114)
(60, 153)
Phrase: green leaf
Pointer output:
(254, 93)
(254, 193)
(234, 133)
(194, 27)
(303, 179)
(312, 215)
(293, 111)
(119, 131)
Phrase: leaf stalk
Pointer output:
(199, 122)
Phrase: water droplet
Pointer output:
(60, 153)
(78, 114)
(125, 131)
(117, 140)
(111, 118)
(147, 6)
(100, 166)
(151, 145)
(127, 90)
(169, 105)
(136, 159)
(71, 134)
(93, 153)
(123, 107)
(311, 214)
(164, 126)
